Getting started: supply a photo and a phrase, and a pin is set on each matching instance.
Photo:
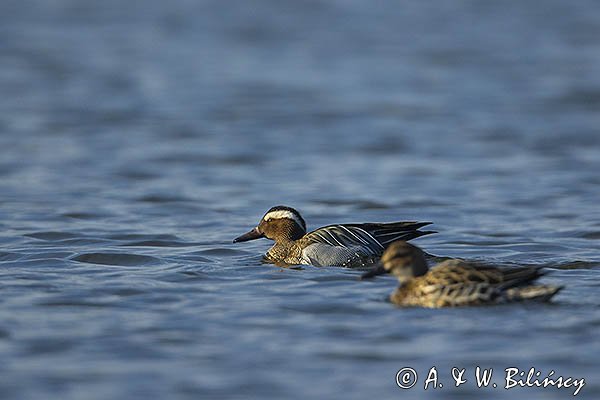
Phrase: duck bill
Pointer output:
(252, 235)
(377, 270)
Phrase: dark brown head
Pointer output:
(404, 260)
(280, 223)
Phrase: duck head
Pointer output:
(280, 223)
(401, 259)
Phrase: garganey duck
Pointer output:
(347, 245)
(455, 282)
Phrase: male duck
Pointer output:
(347, 245)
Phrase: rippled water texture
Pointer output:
(138, 138)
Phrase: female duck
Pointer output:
(456, 283)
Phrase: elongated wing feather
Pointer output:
(386, 233)
(346, 236)
(371, 236)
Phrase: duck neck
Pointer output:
(281, 250)
(288, 237)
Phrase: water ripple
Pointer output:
(52, 236)
(122, 259)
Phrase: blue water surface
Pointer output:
(137, 139)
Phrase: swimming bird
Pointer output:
(455, 282)
(345, 245)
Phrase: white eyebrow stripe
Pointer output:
(279, 214)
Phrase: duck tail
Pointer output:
(386, 233)
(532, 293)
(423, 233)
